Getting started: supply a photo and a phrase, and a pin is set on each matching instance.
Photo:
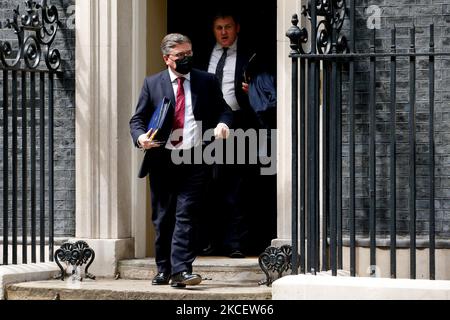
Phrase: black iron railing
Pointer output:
(321, 58)
(28, 66)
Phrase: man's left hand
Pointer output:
(221, 131)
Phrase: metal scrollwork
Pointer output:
(339, 13)
(75, 254)
(277, 260)
(324, 41)
(328, 30)
(35, 30)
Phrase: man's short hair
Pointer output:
(171, 40)
(221, 14)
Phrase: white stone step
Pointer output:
(109, 289)
(215, 268)
(223, 279)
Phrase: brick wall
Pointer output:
(403, 14)
(64, 116)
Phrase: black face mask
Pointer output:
(184, 66)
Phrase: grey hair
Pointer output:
(171, 40)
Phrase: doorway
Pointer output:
(257, 20)
(258, 29)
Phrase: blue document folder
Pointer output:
(160, 125)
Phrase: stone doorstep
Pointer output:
(25, 273)
(215, 268)
(107, 289)
(224, 279)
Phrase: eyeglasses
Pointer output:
(181, 55)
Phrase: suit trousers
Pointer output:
(225, 223)
(177, 192)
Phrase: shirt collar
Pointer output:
(233, 47)
(173, 76)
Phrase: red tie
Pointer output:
(178, 121)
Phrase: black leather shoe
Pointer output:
(208, 251)
(236, 254)
(182, 279)
(161, 279)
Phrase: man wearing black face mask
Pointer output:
(177, 189)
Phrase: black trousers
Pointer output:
(225, 215)
(177, 192)
(230, 180)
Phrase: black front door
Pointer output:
(258, 29)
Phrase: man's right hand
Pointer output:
(146, 143)
(245, 87)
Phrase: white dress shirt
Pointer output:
(229, 72)
(191, 131)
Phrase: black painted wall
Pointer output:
(64, 120)
(404, 14)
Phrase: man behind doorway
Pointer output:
(227, 60)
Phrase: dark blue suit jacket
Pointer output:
(208, 104)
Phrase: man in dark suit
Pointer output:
(177, 189)
(228, 60)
